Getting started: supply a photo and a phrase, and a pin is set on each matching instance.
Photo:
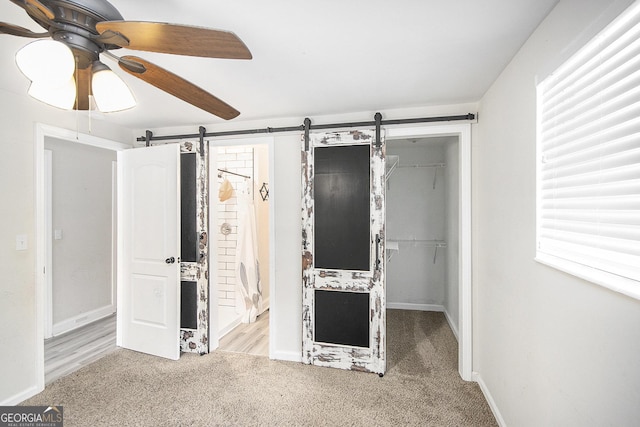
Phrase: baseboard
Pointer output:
(265, 306)
(21, 397)
(289, 356)
(413, 306)
(230, 327)
(82, 319)
(452, 325)
(492, 403)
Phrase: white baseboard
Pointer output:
(21, 397)
(492, 403)
(452, 325)
(265, 306)
(289, 356)
(230, 327)
(416, 307)
(82, 319)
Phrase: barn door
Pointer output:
(343, 251)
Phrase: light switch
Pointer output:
(57, 234)
(21, 242)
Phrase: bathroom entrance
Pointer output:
(240, 244)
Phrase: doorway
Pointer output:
(456, 243)
(422, 226)
(78, 302)
(422, 237)
(241, 246)
(80, 220)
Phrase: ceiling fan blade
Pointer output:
(20, 31)
(83, 88)
(178, 39)
(180, 88)
(42, 8)
(36, 7)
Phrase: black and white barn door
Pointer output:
(148, 250)
(343, 214)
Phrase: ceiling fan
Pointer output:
(94, 27)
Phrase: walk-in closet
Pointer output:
(422, 225)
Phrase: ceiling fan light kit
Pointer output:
(61, 96)
(83, 29)
(110, 92)
(46, 62)
(49, 65)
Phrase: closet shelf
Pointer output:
(393, 246)
(391, 163)
(430, 243)
(429, 165)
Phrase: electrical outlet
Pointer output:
(21, 242)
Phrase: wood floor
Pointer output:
(71, 351)
(249, 338)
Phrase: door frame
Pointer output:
(42, 131)
(465, 303)
(269, 141)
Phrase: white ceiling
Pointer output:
(319, 57)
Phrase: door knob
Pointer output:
(170, 260)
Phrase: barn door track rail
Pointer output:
(307, 126)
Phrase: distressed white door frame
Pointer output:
(214, 341)
(465, 321)
(41, 132)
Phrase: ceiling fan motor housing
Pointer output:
(75, 25)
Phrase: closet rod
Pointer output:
(431, 165)
(431, 243)
(150, 137)
(232, 173)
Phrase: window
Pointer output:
(588, 206)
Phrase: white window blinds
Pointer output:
(589, 153)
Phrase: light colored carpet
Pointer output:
(422, 387)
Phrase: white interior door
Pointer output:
(148, 249)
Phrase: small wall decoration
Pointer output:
(264, 191)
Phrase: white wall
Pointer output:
(18, 114)
(286, 290)
(82, 211)
(550, 349)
